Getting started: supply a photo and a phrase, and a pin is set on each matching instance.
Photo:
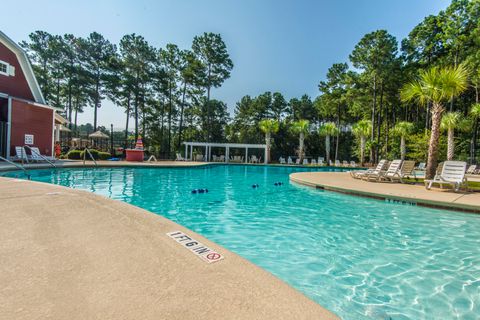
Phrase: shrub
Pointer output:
(104, 155)
(417, 147)
(93, 152)
(79, 154)
(74, 154)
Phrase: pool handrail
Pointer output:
(18, 166)
(91, 156)
(40, 155)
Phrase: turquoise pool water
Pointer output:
(358, 257)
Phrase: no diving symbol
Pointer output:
(213, 256)
(200, 250)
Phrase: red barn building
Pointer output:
(25, 119)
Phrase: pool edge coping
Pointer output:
(106, 164)
(441, 205)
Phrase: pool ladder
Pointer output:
(40, 155)
(90, 155)
(21, 167)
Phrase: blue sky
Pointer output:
(282, 45)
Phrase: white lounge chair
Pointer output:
(305, 162)
(406, 170)
(345, 163)
(320, 159)
(253, 159)
(453, 173)
(37, 156)
(353, 164)
(421, 166)
(320, 162)
(472, 169)
(337, 163)
(392, 171)
(152, 158)
(297, 161)
(282, 160)
(238, 159)
(289, 160)
(179, 157)
(20, 154)
(381, 166)
(314, 162)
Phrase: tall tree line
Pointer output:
(358, 112)
(366, 90)
(165, 92)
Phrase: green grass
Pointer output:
(472, 185)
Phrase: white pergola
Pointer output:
(209, 145)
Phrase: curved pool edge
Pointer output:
(64, 260)
(342, 182)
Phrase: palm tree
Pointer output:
(402, 129)
(450, 122)
(327, 130)
(435, 86)
(301, 127)
(362, 130)
(268, 126)
(475, 114)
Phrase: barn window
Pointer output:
(4, 68)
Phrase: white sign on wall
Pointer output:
(29, 139)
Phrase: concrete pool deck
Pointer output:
(343, 182)
(71, 254)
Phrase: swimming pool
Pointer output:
(360, 258)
